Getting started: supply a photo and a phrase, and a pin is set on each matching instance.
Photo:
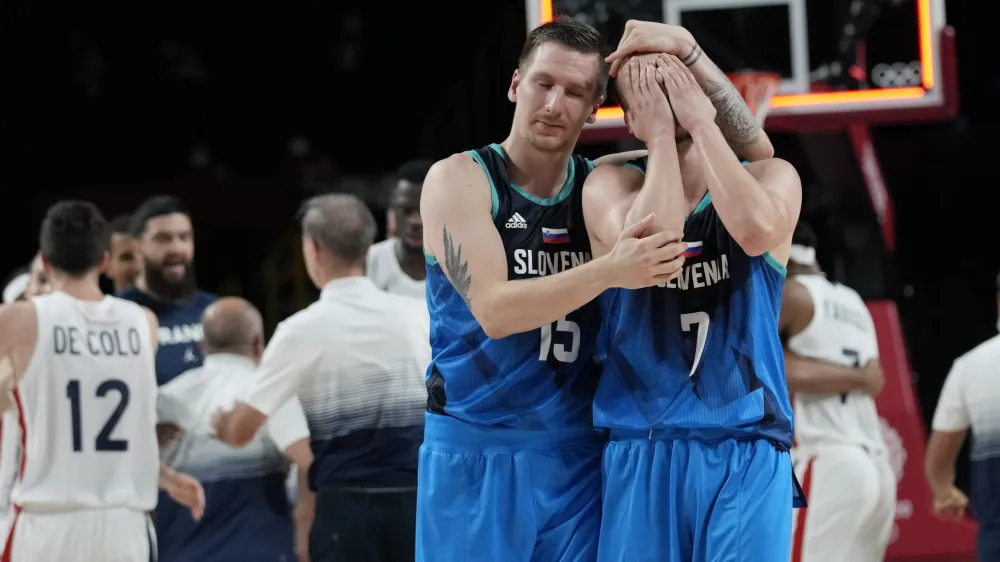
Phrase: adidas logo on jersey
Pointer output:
(517, 221)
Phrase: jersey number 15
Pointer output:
(560, 351)
(103, 442)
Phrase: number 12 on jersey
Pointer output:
(103, 441)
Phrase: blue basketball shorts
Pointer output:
(493, 493)
(684, 500)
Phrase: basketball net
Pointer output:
(757, 89)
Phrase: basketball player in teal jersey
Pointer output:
(510, 465)
(693, 388)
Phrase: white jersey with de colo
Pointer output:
(87, 408)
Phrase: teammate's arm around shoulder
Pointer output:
(459, 232)
(18, 335)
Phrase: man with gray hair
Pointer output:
(356, 359)
(248, 515)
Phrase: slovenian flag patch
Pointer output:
(693, 249)
(555, 235)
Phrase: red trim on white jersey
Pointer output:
(24, 449)
(798, 540)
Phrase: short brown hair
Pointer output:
(571, 34)
(341, 224)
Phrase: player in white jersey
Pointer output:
(832, 367)
(397, 264)
(78, 368)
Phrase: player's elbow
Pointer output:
(760, 149)
(494, 315)
(757, 235)
(492, 322)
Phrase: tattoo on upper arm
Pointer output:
(457, 268)
(737, 123)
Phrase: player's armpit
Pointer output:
(608, 195)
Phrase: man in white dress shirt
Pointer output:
(248, 515)
(396, 264)
(356, 359)
(969, 404)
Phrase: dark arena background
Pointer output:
(887, 108)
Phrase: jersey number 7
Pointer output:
(103, 442)
(688, 322)
(856, 358)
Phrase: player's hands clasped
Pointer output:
(690, 104)
(650, 37)
(649, 111)
(642, 259)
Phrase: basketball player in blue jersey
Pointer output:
(693, 389)
(510, 464)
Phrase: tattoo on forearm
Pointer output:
(457, 268)
(692, 57)
(737, 123)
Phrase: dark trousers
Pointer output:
(364, 525)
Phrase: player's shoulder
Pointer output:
(16, 312)
(631, 170)
(772, 169)
(608, 183)
(379, 250)
(203, 298)
(455, 167)
(133, 294)
(411, 306)
(303, 324)
(988, 352)
(455, 183)
(183, 384)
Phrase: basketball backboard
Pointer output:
(872, 61)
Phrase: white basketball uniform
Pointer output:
(840, 456)
(383, 269)
(87, 407)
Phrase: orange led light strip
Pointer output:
(925, 35)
